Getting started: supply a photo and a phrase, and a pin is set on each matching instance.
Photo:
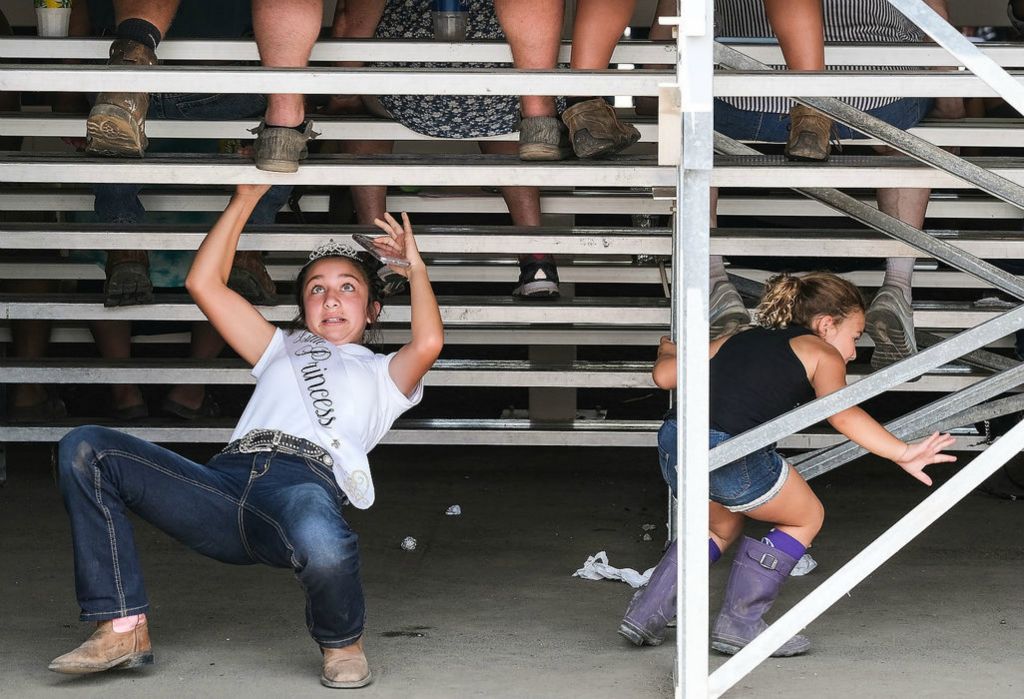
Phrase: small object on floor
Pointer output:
(208, 408)
(726, 311)
(596, 131)
(646, 537)
(804, 566)
(890, 323)
(280, 148)
(453, 511)
(809, 132)
(597, 567)
(648, 527)
(543, 138)
(538, 279)
(408, 544)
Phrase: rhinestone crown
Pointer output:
(333, 247)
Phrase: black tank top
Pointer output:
(756, 376)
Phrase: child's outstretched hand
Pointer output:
(927, 451)
(399, 242)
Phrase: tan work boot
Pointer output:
(280, 148)
(250, 279)
(345, 668)
(108, 650)
(595, 130)
(127, 279)
(809, 132)
(117, 122)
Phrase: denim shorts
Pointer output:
(745, 125)
(749, 482)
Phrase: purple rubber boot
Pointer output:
(654, 605)
(758, 572)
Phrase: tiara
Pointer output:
(333, 248)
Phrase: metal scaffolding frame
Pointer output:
(693, 369)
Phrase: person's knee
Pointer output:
(78, 448)
(323, 543)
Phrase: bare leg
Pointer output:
(598, 27)
(908, 204)
(285, 33)
(114, 341)
(353, 19)
(159, 13)
(724, 526)
(206, 344)
(370, 200)
(796, 510)
(523, 202)
(799, 24)
(533, 29)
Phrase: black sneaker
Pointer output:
(537, 279)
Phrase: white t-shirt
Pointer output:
(277, 402)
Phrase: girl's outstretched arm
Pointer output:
(415, 358)
(855, 424)
(238, 322)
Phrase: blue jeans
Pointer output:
(119, 203)
(745, 125)
(667, 454)
(272, 507)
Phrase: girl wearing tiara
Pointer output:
(274, 495)
(808, 331)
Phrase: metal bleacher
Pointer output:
(44, 177)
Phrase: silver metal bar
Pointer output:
(893, 227)
(446, 372)
(454, 170)
(942, 205)
(914, 423)
(860, 391)
(433, 240)
(319, 80)
(907, 143)
(868, 560)
(978, 358)
(980, 413)
(1008, 55)
(854, 84)
(950, 38)
(369, 50)
(691, 247)
(462, 310)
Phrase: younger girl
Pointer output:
(274, 495)
(809, 329)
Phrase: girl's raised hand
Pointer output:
(927, 451)
(399, 242)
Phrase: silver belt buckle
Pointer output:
(245, 444)
(276, 441)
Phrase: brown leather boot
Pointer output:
(345, 668)
(117, 122)
(809, 132)
(108, 650)
(127, 281)
(250, 279)
(595, 131)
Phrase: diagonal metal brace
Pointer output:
(894, 228)
(899, 139)
(912, 425)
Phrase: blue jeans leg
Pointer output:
(103, 474)
(667, 453)
(294, 520)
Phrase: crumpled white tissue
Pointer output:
(597, 568)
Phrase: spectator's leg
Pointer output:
(117, 122)
(799, 24)
(533, 29)
(594, 128)
(191, 400)
(890, 317)
(285, 33)
(726, 311)
(114, 341)
(370, 200)
(29, 340)
(353, 19)
(127, 271)
(648, 106)
(538, 273)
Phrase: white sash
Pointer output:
(322, 377)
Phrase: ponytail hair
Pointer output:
(791, 300)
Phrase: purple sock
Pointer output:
(714, 553)
(785, 543)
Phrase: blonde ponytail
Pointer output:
(791, 300)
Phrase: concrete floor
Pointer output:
(486, 606)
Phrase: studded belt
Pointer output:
(275, 440)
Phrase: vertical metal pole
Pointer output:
(690, 309)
